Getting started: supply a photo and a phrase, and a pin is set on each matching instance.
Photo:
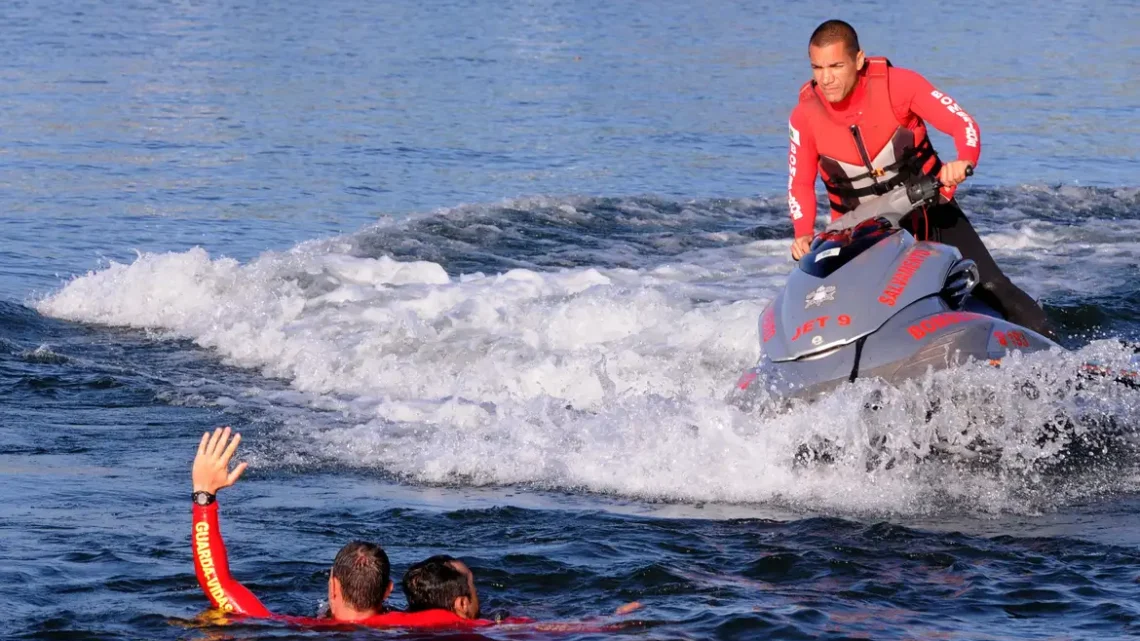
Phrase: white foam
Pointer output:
(607, 380)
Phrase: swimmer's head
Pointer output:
(441, 582)
(360, 581)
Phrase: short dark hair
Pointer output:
(363, 572)
(434, 583)
(834, 31)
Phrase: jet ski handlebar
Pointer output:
(893, 205)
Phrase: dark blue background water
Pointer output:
(586, 203)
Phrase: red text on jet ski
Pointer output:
(934, 323)
(819, 323)
(899, 281)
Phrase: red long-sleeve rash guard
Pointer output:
(213, 568)
(912, 98)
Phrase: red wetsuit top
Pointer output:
(226, 594)
(887, 105)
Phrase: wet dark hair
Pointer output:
(434, 583)
(363, 572)
(834, 31)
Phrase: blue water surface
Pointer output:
(589, 137)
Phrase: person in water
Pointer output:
(860, 124)
(441, 582)
(443, 588)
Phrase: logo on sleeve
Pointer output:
(793, 133)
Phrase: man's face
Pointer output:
(835, 70)
(467, 607)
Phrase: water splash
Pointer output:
(605, 379)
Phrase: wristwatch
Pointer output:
(202, 498)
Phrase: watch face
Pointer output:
(202, 498)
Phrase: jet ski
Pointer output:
(870, 301)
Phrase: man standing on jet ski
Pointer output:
(861, 123)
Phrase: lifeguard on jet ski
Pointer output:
(900, 282)
(869, 299)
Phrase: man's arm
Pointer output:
(803, 160)
(211, 473)
(911, 92)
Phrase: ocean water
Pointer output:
(477, 278)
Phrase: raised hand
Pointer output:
(212, 464)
